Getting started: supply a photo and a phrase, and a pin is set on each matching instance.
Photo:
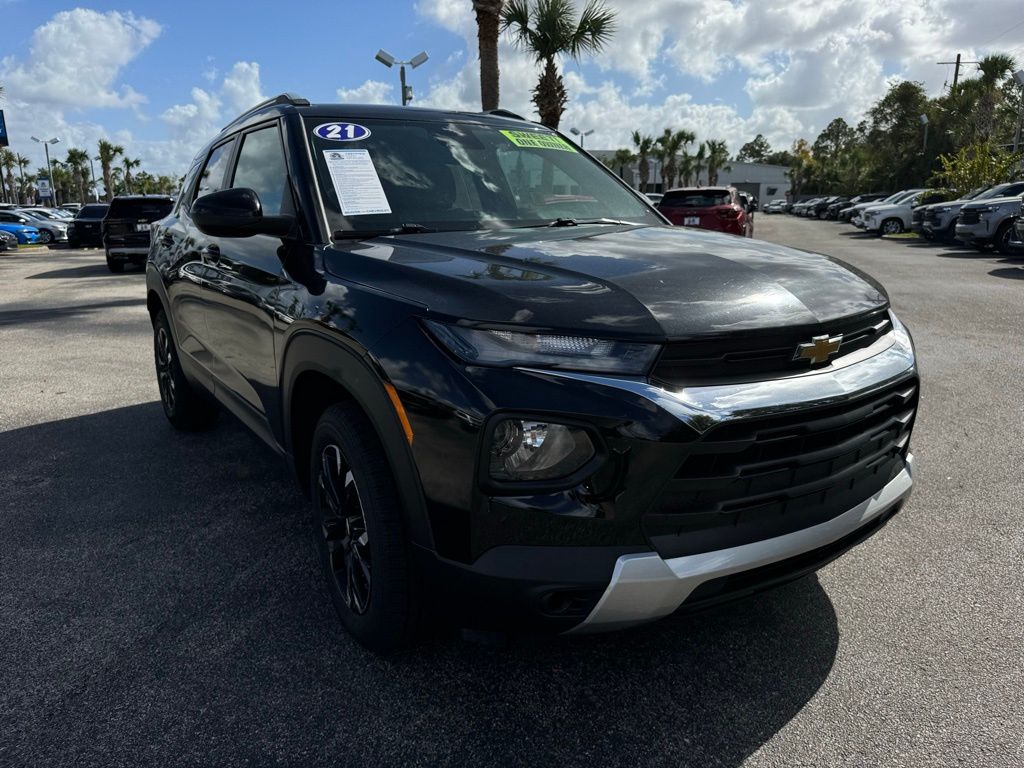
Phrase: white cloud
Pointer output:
(370, 92)
(75, 58)
(242, 88)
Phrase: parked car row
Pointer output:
(985, 217)
(121, 227)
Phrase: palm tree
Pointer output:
(549, 29)
(718, 158)
(670, 143)
(700, 161)
(994, 70)
(78, 161)
(22, 163)
(488, 26)
(687, 165)
(620, 159)
(7, 164)
(107, 154)
(128, 165)
(643, 145)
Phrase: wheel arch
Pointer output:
(318, 371)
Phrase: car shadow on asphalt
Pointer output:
(161, 600)
(1010, 273)
(59, 314)
(89, 270)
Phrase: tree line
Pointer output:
(960, 140)
(73, 176)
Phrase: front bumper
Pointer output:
(974, 233)
(645, 587)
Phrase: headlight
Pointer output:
(943, 209)
(528, 450)
(512, 348)
(986, 209)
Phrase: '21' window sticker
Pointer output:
(342, 131)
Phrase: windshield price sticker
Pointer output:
(531, 140)
(356, 182)
(342, 131)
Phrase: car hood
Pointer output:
(974, 205)
(655, 282)
(883, 209)
(17, 228)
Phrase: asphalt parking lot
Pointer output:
(160, 603)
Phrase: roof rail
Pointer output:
(282, 98)
(505, 113)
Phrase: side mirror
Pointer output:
(237, 212)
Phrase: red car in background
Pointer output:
(717, 208)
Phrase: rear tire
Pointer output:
(114, 265)
(184, 406)
(359, 532)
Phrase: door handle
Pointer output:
(210, 253)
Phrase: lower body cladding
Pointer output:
(694, 495)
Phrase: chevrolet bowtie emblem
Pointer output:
(819, 350)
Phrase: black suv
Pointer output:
(127, 226)
(514, 394)
(87, 228)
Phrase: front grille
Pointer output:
(935, 220)
(917, 216)
(970, 217)
(754, 479)
(760, 354)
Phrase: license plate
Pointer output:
(142, 227)
(691, 221)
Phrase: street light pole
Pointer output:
(49, 168)
(581, 134)
(92, 179)
(389, 61)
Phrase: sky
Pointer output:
(161, 78)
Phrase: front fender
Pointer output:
(310, 349)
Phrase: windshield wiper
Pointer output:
(366, 234)
(575, 223)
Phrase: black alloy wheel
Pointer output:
(185, 407)
(359, 532)
(343, 527)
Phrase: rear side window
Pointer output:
(212, 179)
(698, 198)
(261, 167)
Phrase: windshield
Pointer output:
(380, 175)
(92, 212)
(1001, 190)
(150, 210)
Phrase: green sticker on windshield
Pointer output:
(531, 140)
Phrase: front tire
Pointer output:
(184, 406)
(1002, 238)
(892, 227)
(359, 533)
(45, 237)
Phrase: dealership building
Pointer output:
(765, 182)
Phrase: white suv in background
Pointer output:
(857, 216)
(988, 222)
(894, 218)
